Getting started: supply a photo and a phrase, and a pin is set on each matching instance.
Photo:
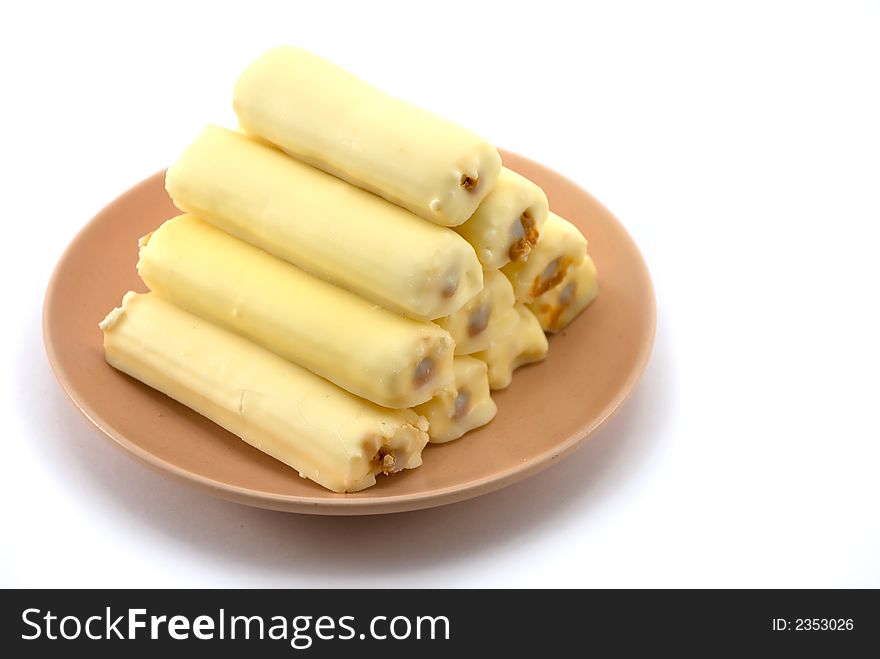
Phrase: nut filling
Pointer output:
(385, 461)
(469, 183)
(567, 294)
(553, 274)
(449, 289)
(462, 404)
(424, 372)
(478, 321)
(555, 312)
(528, 238)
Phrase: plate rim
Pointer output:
(339, 504)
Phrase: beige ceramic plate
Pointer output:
(549, 409)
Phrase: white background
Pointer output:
(740, 144)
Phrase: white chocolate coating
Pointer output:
(451, 417)
(325, 226)
(327, 434)
(560, 247)
(472, 327)
(508, 223)
(329, 118)
(556, 308)
(365, 349)
(522, 341)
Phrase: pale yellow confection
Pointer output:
(556, 308)
(327, 227)
(325, 433)
(521, 341)
(508, 223)
(329, 118)
(560, 247)
(451, 417)
(473, 325)
(374, 353)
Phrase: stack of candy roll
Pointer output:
(350, 278)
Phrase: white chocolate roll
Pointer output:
(556, 308)
(329, 118)
(325, 226)
(451, 417)
(325, 433)
(560, 247)
(508, 223)
(472, 326)
(522, 342)
(372, 352)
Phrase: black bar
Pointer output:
(517, 622)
